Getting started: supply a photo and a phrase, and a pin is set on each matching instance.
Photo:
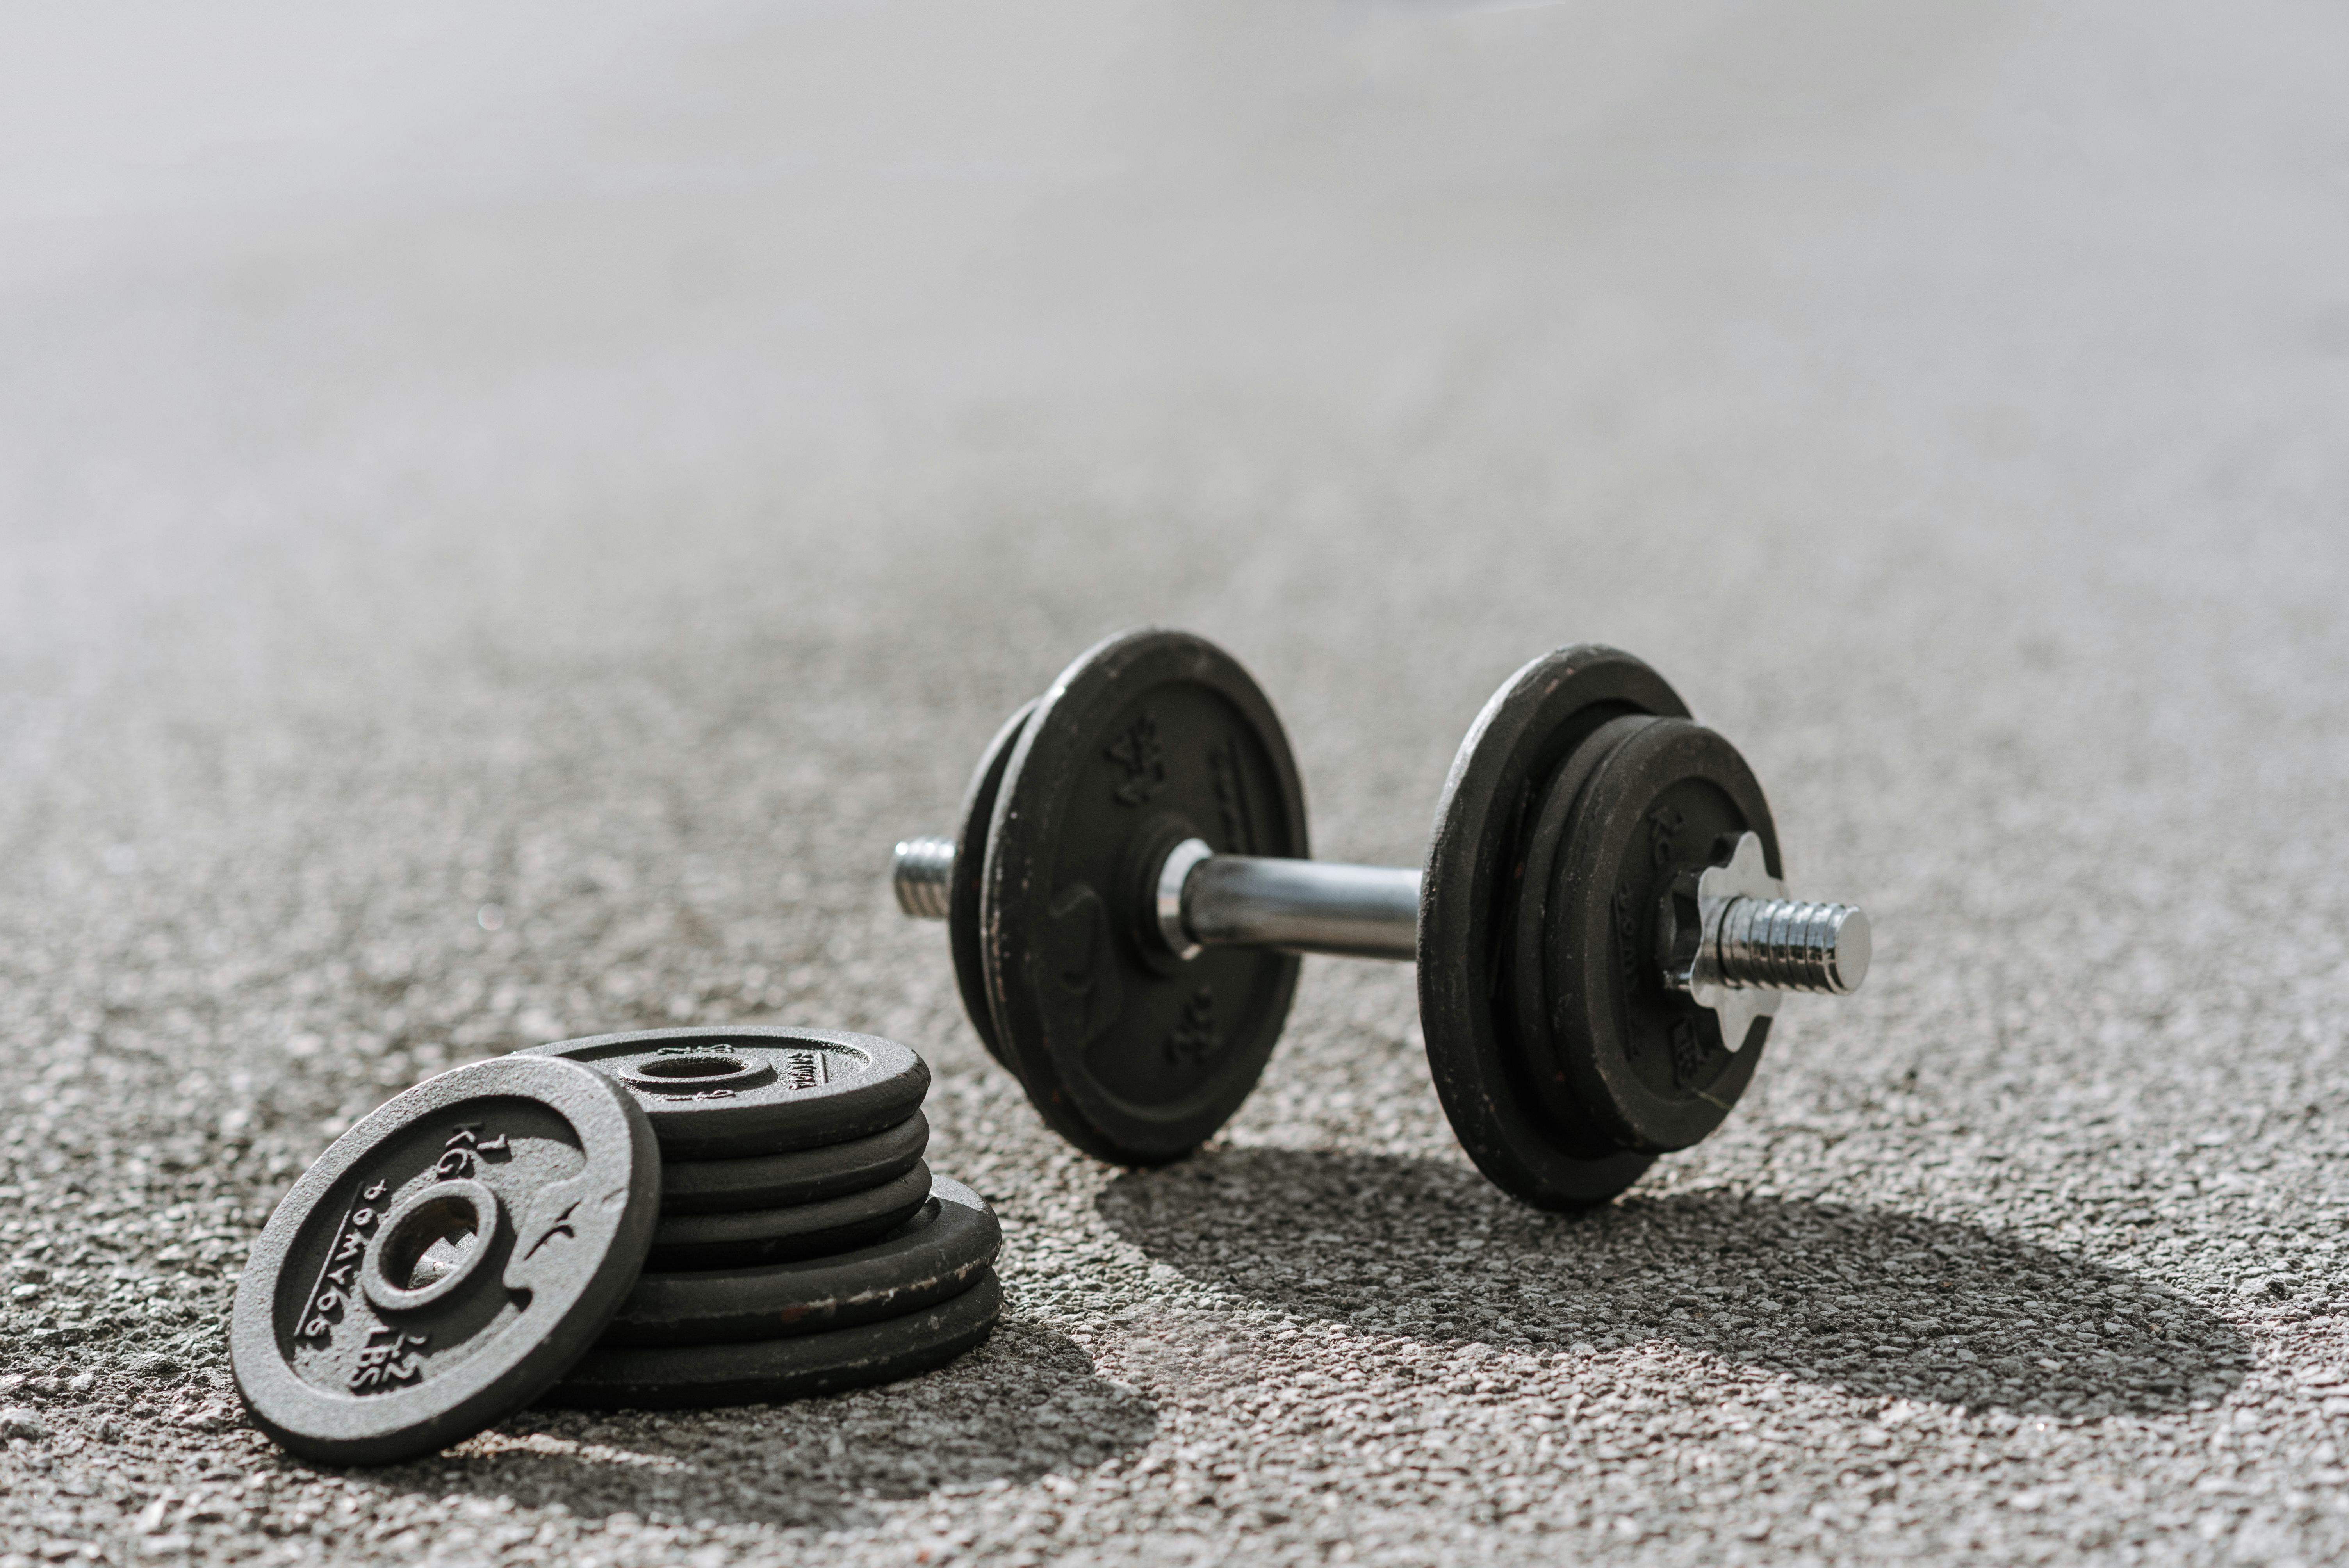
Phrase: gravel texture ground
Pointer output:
(507, 515)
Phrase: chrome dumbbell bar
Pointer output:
(1745, 941)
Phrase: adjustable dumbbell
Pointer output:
(1602, 928)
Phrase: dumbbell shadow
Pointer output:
(1025, 1405)
(1879, 1303)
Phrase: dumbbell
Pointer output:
(1602, 928)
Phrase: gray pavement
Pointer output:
(617, 465)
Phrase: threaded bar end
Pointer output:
(922, 875)
(1786, 945)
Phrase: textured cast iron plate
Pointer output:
(750, 1236)
(703, 1375)
(963, 889)
(1147, 739)
(1650, 1063)
(723, 1094)
(1469, 905)
(444, 1262)
(802, 1176)
(939, 1252)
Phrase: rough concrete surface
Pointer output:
(612, 468)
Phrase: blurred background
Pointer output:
(506, 513)
(619, 463)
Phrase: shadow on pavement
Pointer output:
(1024, 1405)
(1873, 1301)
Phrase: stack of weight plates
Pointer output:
(802, 1246)
(681, 1217)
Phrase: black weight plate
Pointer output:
(802, 1231)
(969, 864)
(699, 1375)
(723, 1094)
(802, 1176)
(1649, 1062)
(1531, 1041)
(1469, 898)
(1149, 738)
(443, 1263)
(939, 1252)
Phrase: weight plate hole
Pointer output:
(430, 1245)
(694, 1072)
(433, 1244)
(694, 1067)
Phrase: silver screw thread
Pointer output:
(922, 875)
(1786, 945)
